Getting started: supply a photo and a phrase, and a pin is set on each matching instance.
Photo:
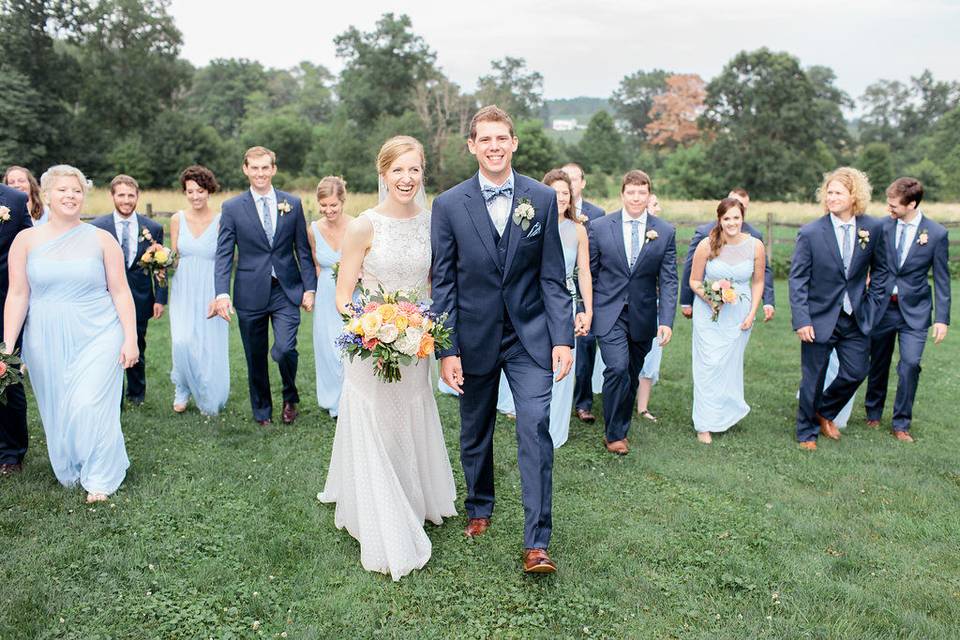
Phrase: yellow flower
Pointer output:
(388, 312)
(729, 296)
(401, 322)
(147, 258)
(355, 327)
(371, 323)
(161, 255)
(427, 324)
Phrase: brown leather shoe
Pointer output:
(827, 428)
(618, 447)
(476, 527)
(585, 416)
(265, 423)
(290, 412)
(902, 436)
(873, 424)
(809, 446)
(9, 469)
(537, 561)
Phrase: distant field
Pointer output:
(674, 210)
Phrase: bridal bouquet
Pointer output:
(394, 328)
(10, 373)
(719, 293)
(158, 261)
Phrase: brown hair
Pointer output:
(559, 175)
(717, 239)
(36, 205)
(332, 186)
(740, 191)
(202, 176)
(259, 151)
(578, 167)
(491, 113)
(124, 179)
(396, 147)
(636, 177)
(854, 180)
(907, 190)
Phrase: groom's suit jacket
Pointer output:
(615, 284)
(289, 256)
(482, 290)
(142, 287)
(913, 287)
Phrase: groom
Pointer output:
(275, 275)
(498, 272)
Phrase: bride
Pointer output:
(389, 470)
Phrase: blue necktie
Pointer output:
(125, 241)
(492, 193)
(847, 249)
(267, 219)
(634, 241)
(901, 244)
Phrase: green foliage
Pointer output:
(601, 148)
(513, 88)
(934, 179)
(877, 162)
(687, 174)
(18, 100)
(129, 155)
(220, 92)
(284, 132)
(633, 99)
(535, 154)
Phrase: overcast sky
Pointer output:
(584, 47)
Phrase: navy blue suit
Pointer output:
(260, 298)
(686, 293)
(817, 286)
(625, 310)
(13, 414)
(907, 316)
(145, 293)
(508, 306)
(586, 345)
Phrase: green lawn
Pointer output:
(217, 531)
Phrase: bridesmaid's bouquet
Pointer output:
(10, 373)
(395, 329)
(158, 261)
(719, 293)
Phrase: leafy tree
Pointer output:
(674, 114)
(688, 174)
(877, 162)
(601, 148)
(829, 101)
(18, 100)
(128, 155)
(633, 99)
(445, 119)
(220, 92)
(535, 154)
(176, 140)
(513, 88)
(284, 132)
(934, 179)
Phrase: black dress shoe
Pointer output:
(136, 401)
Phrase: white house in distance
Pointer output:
(565, 124)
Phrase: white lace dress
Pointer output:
(389, 470)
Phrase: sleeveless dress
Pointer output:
(327, 325)
(389, 470)
(71, 345)
(200, 346)
(718, 347)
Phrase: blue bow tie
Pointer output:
(491, 193)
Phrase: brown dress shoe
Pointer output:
(586, 416)
(9, 469)
(902, 436)
(873, 424)
(809, 446)
(618, 447)
(537, 561)
(827, 428)
(476, 527)
(265, 423)
(290, 412)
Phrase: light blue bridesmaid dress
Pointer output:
(327, 325)
(718, 347)
(71, 345)
(200, 345)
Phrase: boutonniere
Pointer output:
(582, 219)
(145, 236)
(284, 207)
(4, 214)
(652, 235)
(922, 238)
(524, 213)
(864, 237)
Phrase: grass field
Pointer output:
(217, 532)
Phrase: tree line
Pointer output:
(101, 84)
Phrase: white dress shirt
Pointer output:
(499, 208)
(838, 231)
(628, 232)
(909, 236)
(133, 237)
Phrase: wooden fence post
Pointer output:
(769, 236)
(150, 210)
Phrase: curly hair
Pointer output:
(854, 180)
(202, 176)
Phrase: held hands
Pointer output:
(562, 361)
(451, 372)
(806, 333)
(129, 353)
(581, 324)
(664, 333)
(157, 311)
(687, 311)
(768, 312)
(308, 300)
(220, 307)
(939, 332)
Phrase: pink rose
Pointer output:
(724, 283)
(715, 286)
(370, 343)
(3, 368)
(372, 306)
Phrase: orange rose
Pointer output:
(729, 296)
(3, 368)
(426, 346)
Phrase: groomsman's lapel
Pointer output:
(520, 190)
(476, 208)
(254, 212)
(891, 236)
(830, 238)
(616, 234)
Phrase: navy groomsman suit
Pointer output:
(586, 345)
(13, 414)
(145, 291)
(686, 293)
(905, 310)
(835, 301)
(625, 312)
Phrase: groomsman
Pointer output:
(831, 305)
(633, 257)
(128, 227)
(586, 345)
(13, 414)
(686, 293)
(275, 276)
(915, 245)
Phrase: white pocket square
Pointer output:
(534, 232)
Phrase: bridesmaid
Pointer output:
(200, 346)
(68, 282)
(21, 179)
(727, 253)
(325, 242)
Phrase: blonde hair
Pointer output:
(396, 147)
(256, 152)
(855, 181)
(63, 171)
(332, 186)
